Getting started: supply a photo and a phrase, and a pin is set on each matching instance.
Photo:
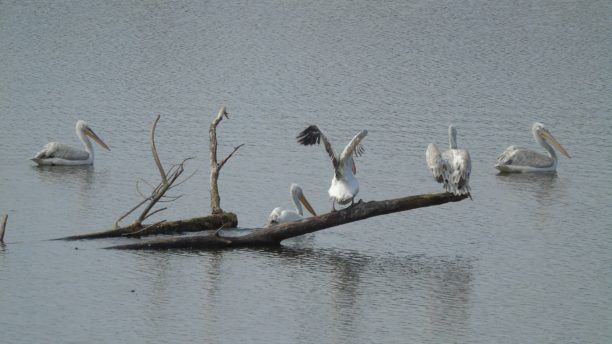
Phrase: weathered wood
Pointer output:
(215, 166)
(196, 224)
(274, 235)
(3, 228)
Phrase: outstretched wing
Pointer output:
(354, 147)
(311, 136)
(435, 163)
(61, 151)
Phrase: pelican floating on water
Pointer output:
(54, 153)
(517, 159)
(451, 168)
(344, 186)
(280, 215)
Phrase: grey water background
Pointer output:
(527, 261)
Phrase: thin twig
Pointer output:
(129, 212)
(229, 156)
(155, 212)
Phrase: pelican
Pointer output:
(344, 186)
(516, 159)
(280, 215)
(54, 153)
(451, 168)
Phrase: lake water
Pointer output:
(527, 261)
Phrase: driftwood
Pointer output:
(215, 166)
(3, 228)
(196, 224)
(169, 180)
(274, 235)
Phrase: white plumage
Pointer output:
(517, 159)
(344, 186)
(55, 153)
(280, 215)
(451, 168)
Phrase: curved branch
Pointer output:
(155, 155)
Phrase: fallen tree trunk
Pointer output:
(196, 224)
(274, 235)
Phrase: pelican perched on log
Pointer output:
(54, 153)
(344, 186)
(451, 168)
(280, 215)
(516, 159)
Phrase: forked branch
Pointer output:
(158, 192)
(215, 166)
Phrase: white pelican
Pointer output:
(54, 153)
(280, 215)
(516, 159)
(344, 186)
(453, 167)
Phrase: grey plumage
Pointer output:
(451, 168)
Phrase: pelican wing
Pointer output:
(312, 135)
(435, 163)
(516, 156)
(354, 147)
(61, 151)
(460, 168)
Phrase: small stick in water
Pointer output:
(3, 228)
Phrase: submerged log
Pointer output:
(274, 235)
(196, 224)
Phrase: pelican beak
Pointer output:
(551, 139)
(307, 205)
(354, 167)
(95, 137)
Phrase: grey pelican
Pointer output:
(54, 153)
(344, 186)
(280, 215)
(451, 168)
(517, 159)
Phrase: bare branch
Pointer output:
(229, 156)
(167, 199)
(116, 225)
(155, 212)
(215, 166)
(184, 180)
(155, 155)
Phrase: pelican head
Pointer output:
(298, 195)
(83, 128)
(541, 134)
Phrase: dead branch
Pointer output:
(167, 182)
(274, 235)
(3, 228)
(215, 166)
(196, 224)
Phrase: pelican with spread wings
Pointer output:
(451, 168)
(344, 186)
(280, 215)
(516, 159)
(54, 153)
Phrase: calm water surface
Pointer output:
(528, 261)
